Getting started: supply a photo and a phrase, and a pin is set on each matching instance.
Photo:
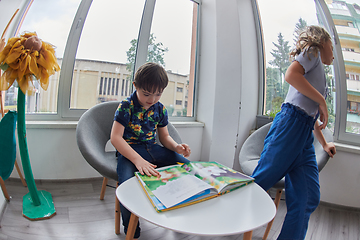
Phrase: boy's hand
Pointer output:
(183, 149)
(147, 168)
(330, 149)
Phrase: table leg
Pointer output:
(248, 235)
(132, 227)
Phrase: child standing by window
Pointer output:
(288, 147)
(134, 128)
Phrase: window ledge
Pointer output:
(73, 124)
(187, 124)
(50, 124)
(347, 148)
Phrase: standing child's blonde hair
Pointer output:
(310, 41)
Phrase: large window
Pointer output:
(101, 60)
(51, 20)
(99, 45)
(342, 20)
(175, 36)
(279, 39)
(346, 19)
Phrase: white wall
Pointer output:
(228, 78)
(340, 179)
(249, 76)
(54, 153)
(2, 204)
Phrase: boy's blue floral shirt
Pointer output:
(140, 124)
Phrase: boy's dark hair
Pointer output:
(151, 77)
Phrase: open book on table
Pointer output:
(193, 182)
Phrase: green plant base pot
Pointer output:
(45, 210)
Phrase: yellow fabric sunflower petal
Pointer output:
(22, 69)
(15, 45)
(30, 88)
(45, 84)
(44, 79)
(13, 40)
(23, 85)
(15, 64)
(28, 34)
(48, 55)
(41, 61)
(7, 49)
(57, 67)
(2, 44)
(12, 73)
(2, 57)
(26, 63)
(33, 67)
(6, 81)
(13, 56)
(26, 85)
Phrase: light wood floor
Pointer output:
(81, 215)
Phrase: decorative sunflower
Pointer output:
(26, 58)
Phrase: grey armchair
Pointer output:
(93, 134)
(250, 155)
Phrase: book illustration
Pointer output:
(174, 186)
(217, 175)
(166, 175)
(159, 207)
(182, 185)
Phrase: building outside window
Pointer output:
(93, 68)
(279, 38)
(349, 37)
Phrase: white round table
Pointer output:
(239, 211)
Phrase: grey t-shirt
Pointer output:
(315, 75)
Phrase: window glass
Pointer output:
(101, 72)
(104, 61)
(346, 18)
(172, 44)
(51, 20)
(279, 37)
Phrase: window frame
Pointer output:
(67, 67)
(261, 54)
(142, 48)
(340, 134)
(64, 112)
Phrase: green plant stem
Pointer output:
(24, 153)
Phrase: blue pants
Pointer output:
(289, 151)
(154, 154)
